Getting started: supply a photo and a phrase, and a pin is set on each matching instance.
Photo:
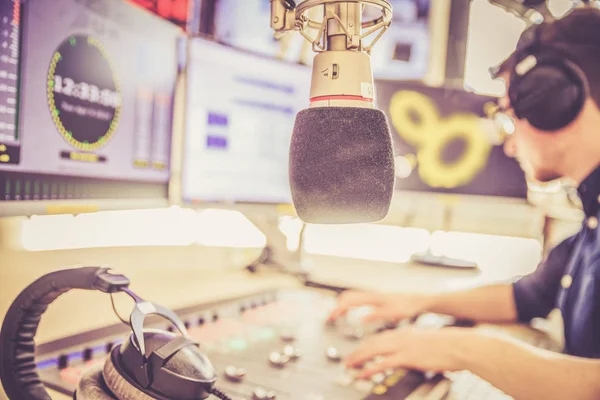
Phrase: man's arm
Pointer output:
(524, 372)
(530, 297)
(519, 370)
(494, 303)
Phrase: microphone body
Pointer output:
(342, 165)
(341, 152)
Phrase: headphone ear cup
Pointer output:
(119, 386)
(550, 96)
(91, 386)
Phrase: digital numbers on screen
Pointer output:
(87, 92)
(417, 121)
(84, 95)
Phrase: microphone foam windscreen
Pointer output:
(341, 165)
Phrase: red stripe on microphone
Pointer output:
(340, 97)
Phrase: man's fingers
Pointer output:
(394, 361)
(349, 300)
(371, 348)
(386, 314)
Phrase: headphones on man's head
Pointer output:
(546, 87)
(150, 364)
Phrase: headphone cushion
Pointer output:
(118, 385)
(549, 96)
(91, 386)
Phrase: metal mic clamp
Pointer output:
(337, 20)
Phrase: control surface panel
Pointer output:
(275, 345)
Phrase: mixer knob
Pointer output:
(363, 386)
(278, 360)
(291, 352)
(333, 354)
(262, 394)
(88, 354)
(354, 333)
(378, 379)
(63, 361)
(109, 347)
(235, 374)
(344, 379)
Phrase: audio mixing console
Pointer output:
(274, 345)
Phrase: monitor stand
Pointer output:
(276, 253)
(430, 259)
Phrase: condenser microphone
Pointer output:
(341, 152)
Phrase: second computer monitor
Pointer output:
(240, 114)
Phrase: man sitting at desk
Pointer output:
(555, 67)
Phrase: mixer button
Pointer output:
(363, 386)
(380, 390)
(333, 354)
(378, 379)
(278, 360)
(63, 361)
(354, 333)
(262, 394)
(235, 374)
(344, 379)
(291, 352)
(88, 354)
(259, 394)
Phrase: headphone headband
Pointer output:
(18, 370)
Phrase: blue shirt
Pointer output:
(569, 278)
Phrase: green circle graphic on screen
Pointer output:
(84, 94)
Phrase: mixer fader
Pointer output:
(274, 345)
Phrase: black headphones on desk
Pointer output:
(547, 88)
(150, 364)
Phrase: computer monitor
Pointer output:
(240, 113)
(10, 49)
(95, 103)
(445, 144)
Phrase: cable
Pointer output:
(217, 393)
(112, 301)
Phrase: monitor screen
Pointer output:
(401, 53)
(444, 144)
(10, 31)
(240, 115)
(96, 91)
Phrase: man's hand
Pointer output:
(388, 307)
(410, 348)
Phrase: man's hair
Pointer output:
(577, 36)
